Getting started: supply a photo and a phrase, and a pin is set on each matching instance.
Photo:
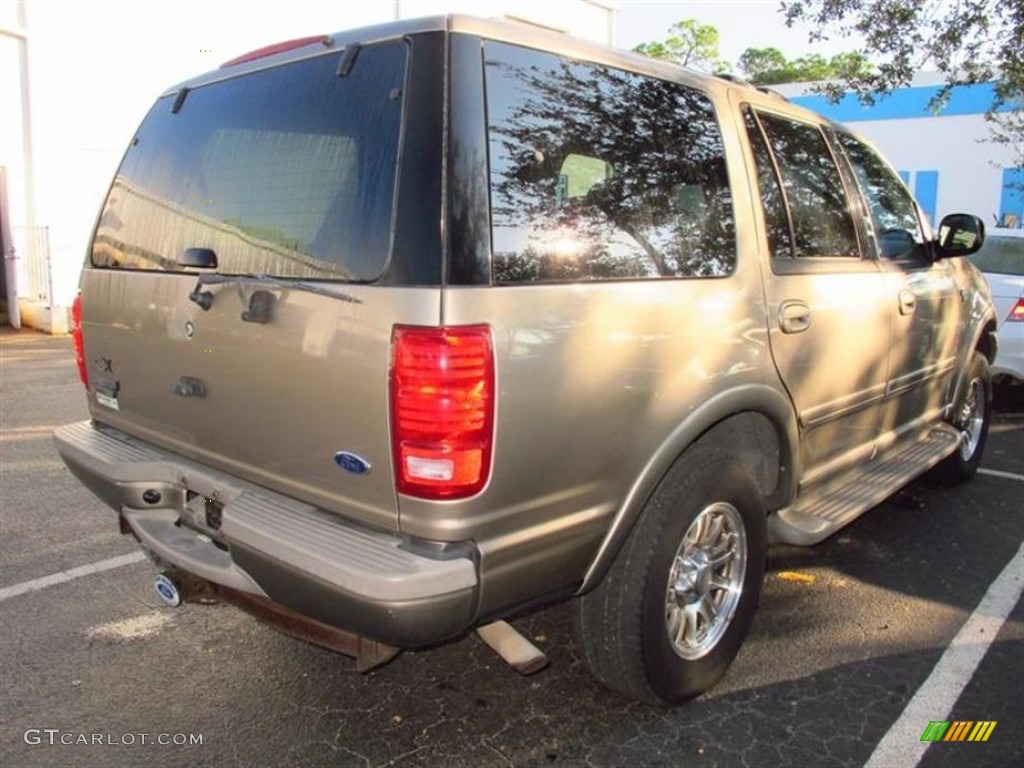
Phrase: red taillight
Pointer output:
(442, 410)
(270, 50)
(1017, 313)
(76, 338)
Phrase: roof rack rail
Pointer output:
(732, 78)
(737, 80)
(772, 92)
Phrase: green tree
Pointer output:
(969, 41)
(769, 66)
(851, 64)
(759, 63)
(689, 44)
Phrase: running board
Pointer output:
(822, 514)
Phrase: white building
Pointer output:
(76, 79)
(948, 159)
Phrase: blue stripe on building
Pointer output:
(905, 175)
(906, 103)
(926, 190)
(1011, 204)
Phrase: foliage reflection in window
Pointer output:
(892, 208)
(822, 223)
(601, 174)
(773, 203)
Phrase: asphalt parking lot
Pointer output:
(848, 633)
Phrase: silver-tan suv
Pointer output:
(396, 333)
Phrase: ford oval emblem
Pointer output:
(167, 590)
(350, 462)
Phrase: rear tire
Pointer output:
(972, 416)
(671, 613)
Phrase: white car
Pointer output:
(1001, 259)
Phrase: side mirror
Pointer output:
(960, 234)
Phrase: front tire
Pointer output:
(670, 615)
(972, 418)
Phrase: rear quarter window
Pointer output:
(288, 171)
(601, 174)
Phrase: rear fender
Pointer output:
(733, 420)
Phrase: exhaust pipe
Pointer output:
(175, 587)
(168, 589)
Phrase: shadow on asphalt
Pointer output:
(1008, 399)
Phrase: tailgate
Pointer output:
(273, 403)
(247, 269)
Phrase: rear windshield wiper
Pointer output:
(205, 298)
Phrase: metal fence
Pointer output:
(32, 249)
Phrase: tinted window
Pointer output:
(892, 209)
(822, 223)
(289, 171)
(776, 220)
(602, 174)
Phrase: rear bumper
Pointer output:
(273, 546)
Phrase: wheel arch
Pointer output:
(747, 422)
(986, 341)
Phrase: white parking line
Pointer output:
(999, 473)
(934, 700)
(70, 575)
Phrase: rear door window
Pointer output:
(288, 171)
(778, 226)
(601, 174)
(820, 218)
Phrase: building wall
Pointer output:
(947, 159)
(953, 156)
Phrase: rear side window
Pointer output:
(820, 217)
(600, 174)
(288, 171)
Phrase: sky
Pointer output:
(741, 24)
(126, 51)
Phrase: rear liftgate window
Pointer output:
(600, 174)
(288, 171)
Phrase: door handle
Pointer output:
(794, 316)
(907, 302)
